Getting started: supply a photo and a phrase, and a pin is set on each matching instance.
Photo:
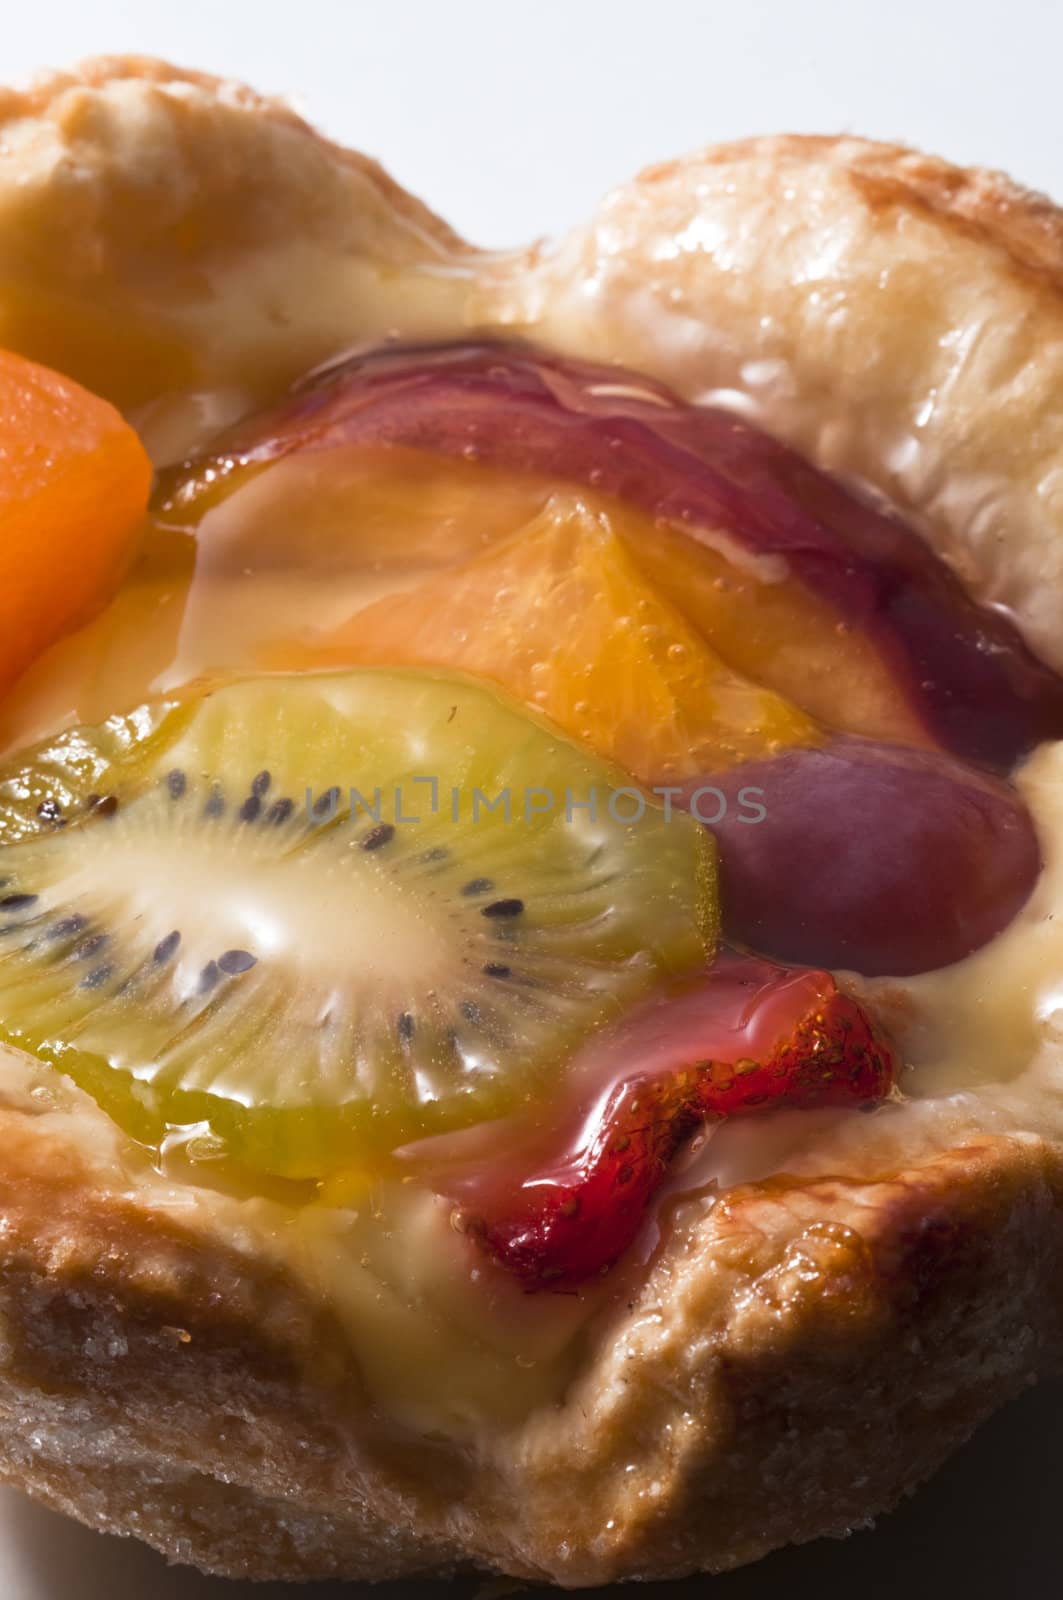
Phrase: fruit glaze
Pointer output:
(498, 803)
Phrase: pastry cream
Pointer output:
(446, 1341)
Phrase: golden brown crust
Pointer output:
(163, 230)
(798, 1356)
(154, 1379)
(800, 1352)
(44, 98)
(1024, 224)
(861, 1331)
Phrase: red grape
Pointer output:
(867, 856)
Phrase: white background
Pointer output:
(511, 120)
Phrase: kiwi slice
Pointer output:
(318, 912)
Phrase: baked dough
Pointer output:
(802, 1349)
(160, 230)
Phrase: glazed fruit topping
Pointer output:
(557, 1201)
(316, 915)
(963, 671)
(835, 852)
(200, 927)
(560, 615)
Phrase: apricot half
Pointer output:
(74, 484)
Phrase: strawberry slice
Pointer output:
(559, 1202)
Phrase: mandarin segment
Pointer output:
(561, 617)
(74, 484)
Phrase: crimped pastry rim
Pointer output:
(811, 1409)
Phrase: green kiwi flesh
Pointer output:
(204, 927)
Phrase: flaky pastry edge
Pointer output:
(801, 1351)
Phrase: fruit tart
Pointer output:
(530, 844)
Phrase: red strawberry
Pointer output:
(558, 1203)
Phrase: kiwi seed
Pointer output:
(17, 902)
(166, 948)
(235, 961)
(510, 907)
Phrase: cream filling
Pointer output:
(450, 1345)
(446, 1342)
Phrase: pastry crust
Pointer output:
(162, 230)
(798, 1356)
(802, 1350)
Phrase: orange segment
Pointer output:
(561, 617)
(397, 512)
(74, 484)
